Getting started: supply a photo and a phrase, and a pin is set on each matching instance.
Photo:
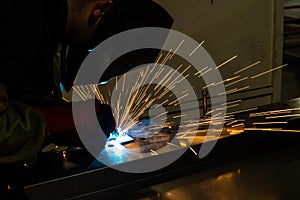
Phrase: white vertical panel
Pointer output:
(246, 28)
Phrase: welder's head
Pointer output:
(83, 19)
(121, 15)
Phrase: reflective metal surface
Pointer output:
(264, 176)
(255, 164)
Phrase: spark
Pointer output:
(187, 68)
(197, 48)
(231, 106)
(199, 72)
(176, 49)
(182, 79)
(190, 125)
(167, 57)
(157, 74)
(240, 89)
(64, 155)
(270, 113)
(224, 63)
(269, 71)
(163, 103)
(289, 110)
(237, 125)
(154, 152)
(125, 115)
(163, 80)
(283, 116)
(266, 123)
(235, 82)
(205, 72)
(216, 122)
(26, 165)
(85, 91)
(185, 91)
(232, 102)
(161, 114)
(208, 85)
(213, 119)
(99, 95)
(142, 99)
(235, 90)
(193, 151)
(148, 86)
(179, 116)
(174, 82)
(228, 92)
(81, 89)
(116, 85)
(227, 80)
(123, 85)
(273, 130)
(79, 92)
(157, 60)
(181, 135)
(167, 90)
(232, 122)
(142, 109)
(262, 129)
(248, 67)
(229, 118)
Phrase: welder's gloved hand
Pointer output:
(60, 127)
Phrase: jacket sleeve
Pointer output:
(22, 131)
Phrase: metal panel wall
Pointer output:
(251, 29)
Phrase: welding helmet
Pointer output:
(123, 15)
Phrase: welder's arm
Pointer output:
(60, 127)
(24, 130)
